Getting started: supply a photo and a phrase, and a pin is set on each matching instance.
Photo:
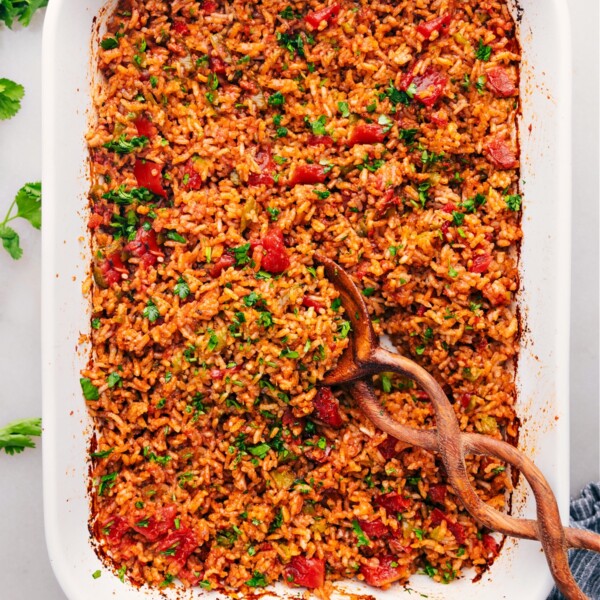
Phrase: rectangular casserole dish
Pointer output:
(69, 40)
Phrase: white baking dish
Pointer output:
(520, 571)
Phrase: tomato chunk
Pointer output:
(110, 271)
(266, 164)
(426, 28)
(387, 448)
(208, 6)
(367, 134)
(438, 493)
(327, 408)
(318, 140)
(260, 179)
(500, 83)
(95, 220)
(456, 529)
(153, 529)
(145, 247)
(327, 14)
(385, 571)
(181, 27)
(392, 502)
(500, 154)
(217, 65)
(309, 302)
(114, 529)
(225, 261)
(179, 544)
(430, 86)
(275, 259)
(149, 175)
(305, 572)
(191, 178)
(374, 529)
(489, 543)
(308, 174)
(144, 127)
(481, 263)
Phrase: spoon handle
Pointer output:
(452, 445)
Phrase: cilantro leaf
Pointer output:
(90, 391)
(122, 145)
(16, 436)
(29, 203)
(10, 241)
(483, 52)
(151, 311)
(181, 289)
(11, 94)
(19, 10)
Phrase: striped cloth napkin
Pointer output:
(585, 514)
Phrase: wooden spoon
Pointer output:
(365, 357)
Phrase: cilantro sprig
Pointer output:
(11, 94)
(16, 436)
(26, 205)
(19, 10)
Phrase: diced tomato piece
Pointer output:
(438, 493)
(367, 134)
(95, 220)
(191, 177)
(181, 27)
(481, 263)
(192, 578)
(392, 502)
(225, 261)
(439, 118)
(327, 14)
(308, 174)
(182, 541)
(387, 448)
(456, 529)
(264, 160)
(208, 6)
(276, 259)
(374, 529)
(383, 573)
(449, 208)
(260, 179)
(430, 86)
(145, 127)
(426, 28)
(327, 408)
(217, 64)
(112, 269)
(445, 229)
(465, 400)
(305, 572)
(318, 140)
(157, 528)
(145, 247)
(500, 154)
(116, 528)
(490, 544)
(500, 83)
(149, 175)
(309, 302)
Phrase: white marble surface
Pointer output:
(23, 558)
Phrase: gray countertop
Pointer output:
(28, 574)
